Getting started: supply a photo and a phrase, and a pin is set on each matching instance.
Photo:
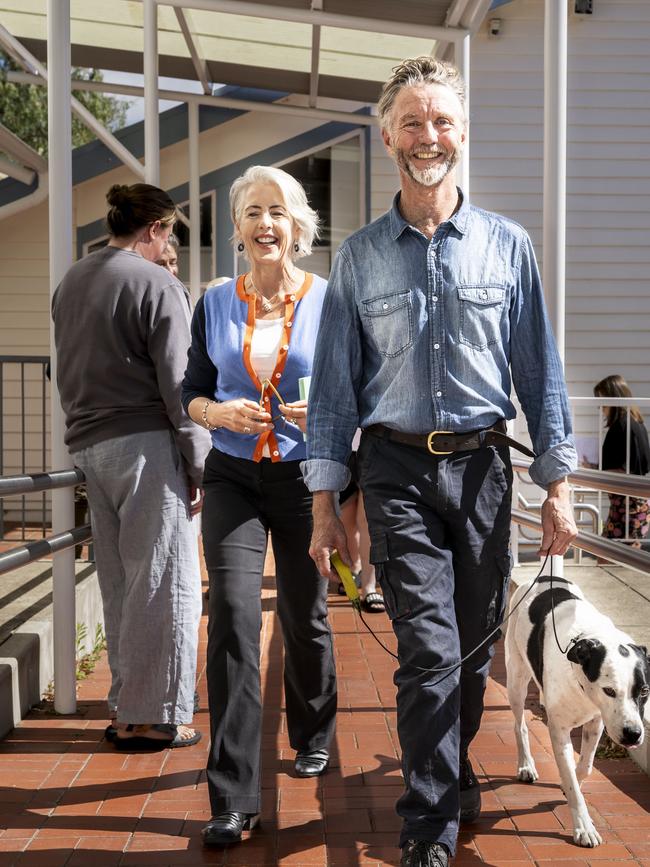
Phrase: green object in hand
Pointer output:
(347, 579)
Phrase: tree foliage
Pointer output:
(23, 108)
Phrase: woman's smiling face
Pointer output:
(266, 227)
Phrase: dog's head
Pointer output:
(616, 677)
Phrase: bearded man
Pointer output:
(431, 311)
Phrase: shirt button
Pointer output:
(485, 295)
(436, 346)
(275, 454)
(438, 394)
(385, 306)
(435, 298)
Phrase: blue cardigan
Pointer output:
(219, 364)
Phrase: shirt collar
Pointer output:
(459, 219)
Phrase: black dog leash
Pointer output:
(449, 670)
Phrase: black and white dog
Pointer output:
(602, 679)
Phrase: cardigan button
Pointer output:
(275, 454)
(292, 297)
(278, 375)
(285, 347)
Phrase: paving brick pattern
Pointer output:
(68, 798)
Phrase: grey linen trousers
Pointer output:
(148, 568)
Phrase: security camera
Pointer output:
(495, 26)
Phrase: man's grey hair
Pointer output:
(419, 70)
(295, 199)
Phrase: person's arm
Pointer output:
(333, 414)
(240, 415)
(168, 339)
(539, 382)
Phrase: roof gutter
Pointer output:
(32, 199)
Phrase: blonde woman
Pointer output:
(253, 341)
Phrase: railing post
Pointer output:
(60, 240)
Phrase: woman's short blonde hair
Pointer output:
(305, 217)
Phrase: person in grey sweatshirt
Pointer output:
(122, 333)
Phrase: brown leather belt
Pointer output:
(442, 442)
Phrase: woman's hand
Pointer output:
(295, 412)
(243, 416)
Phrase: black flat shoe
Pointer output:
(226, 828)
(312, 764)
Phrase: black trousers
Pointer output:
(439, 534)
(245, 500)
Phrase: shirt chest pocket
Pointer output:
(481, 309)
(390, 320)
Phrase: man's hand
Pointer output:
(328, 534)
(558, 524)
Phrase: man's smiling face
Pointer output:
(426, 132)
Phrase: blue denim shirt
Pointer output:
(423, 335)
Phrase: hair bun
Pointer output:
(118, 196)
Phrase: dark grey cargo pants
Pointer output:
(439, 530)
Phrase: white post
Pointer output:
(195, 201)
(60, 239)
(462, 58)
(151, 118)
(555, 133)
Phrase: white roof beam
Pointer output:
(19, 173)
(203, 99)
(28, 61)
(466, 15)
(200, 66)
(315, 61)
(316, 5)
(320, 18)
(16, 147)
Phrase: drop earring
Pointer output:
(296, 247)
(240, 247)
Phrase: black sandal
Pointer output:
(373, 603)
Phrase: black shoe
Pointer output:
(470, 792)
(424, 853)
(226, 828)
(312, 764)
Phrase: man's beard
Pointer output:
(427, 177)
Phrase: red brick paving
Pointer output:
(67, 799)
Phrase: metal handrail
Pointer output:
(597, 545)
(601, 480)
(28, 484)
(40, 548)
(25, 484)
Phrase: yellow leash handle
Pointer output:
(347, 579)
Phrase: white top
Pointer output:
(265, 345)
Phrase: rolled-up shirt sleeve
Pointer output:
(200, 379)
(538, 376)
(332, 412)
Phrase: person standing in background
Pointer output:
(615, 458)
(122, 334)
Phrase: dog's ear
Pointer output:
(590, 654)
(580, 652)
(642, 651)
